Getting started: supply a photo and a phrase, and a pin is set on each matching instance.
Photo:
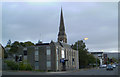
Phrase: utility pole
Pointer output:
(96, 62)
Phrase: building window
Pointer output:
(57, 64)
(66, 54)
(36, 65)
(57, 50)
(36, 48)
(25, 49)
(73, 61)
(63, 54)
(48, 51)
(25, 57)
(36, 56)
(36, 52)
(57, 53)
(25, 52)
(48, 64)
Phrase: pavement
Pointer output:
(93, 71)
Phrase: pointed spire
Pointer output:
(62, 35)
(62, 21)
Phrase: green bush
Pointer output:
(12, 64)
(29, 67)
(23, 66)
(18, 66)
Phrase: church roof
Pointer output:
(62, 44)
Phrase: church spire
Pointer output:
(62, 21)
(62, 35)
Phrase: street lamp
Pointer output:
(102, 50)
(83, 39)
(77, 46)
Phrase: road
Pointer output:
(100, 71)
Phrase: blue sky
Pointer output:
(33, 21)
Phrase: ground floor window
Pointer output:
(48, 64)
(57, 64)
(36, 65)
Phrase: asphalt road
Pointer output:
(100, 71)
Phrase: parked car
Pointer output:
(114, 66)
(109, 67)
(103, 66)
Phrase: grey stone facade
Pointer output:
(49, 56)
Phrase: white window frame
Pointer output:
(62, 53)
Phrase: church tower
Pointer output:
(62, 35)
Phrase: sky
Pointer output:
(33, 21)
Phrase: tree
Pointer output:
(7, 46)
(9, 42)
(82, 51)
(28, 43)
(114, 60)
(14, 47)
(91, 59)
(85, 58)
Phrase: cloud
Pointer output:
(40, 21)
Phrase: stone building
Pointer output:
(1, 52)
(55, 56)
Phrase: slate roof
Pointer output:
(64, 45)
(96, 52)
(42, 44)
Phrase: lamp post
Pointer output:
(77, 47)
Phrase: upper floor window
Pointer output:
(36, 55)
(25, 52)
(25, 49)
(36, 48)
(36, 52)
(48, 51)
(57, 50)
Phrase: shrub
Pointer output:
(23, 66)
(28, 67)
(12, 64)
(18, 66)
